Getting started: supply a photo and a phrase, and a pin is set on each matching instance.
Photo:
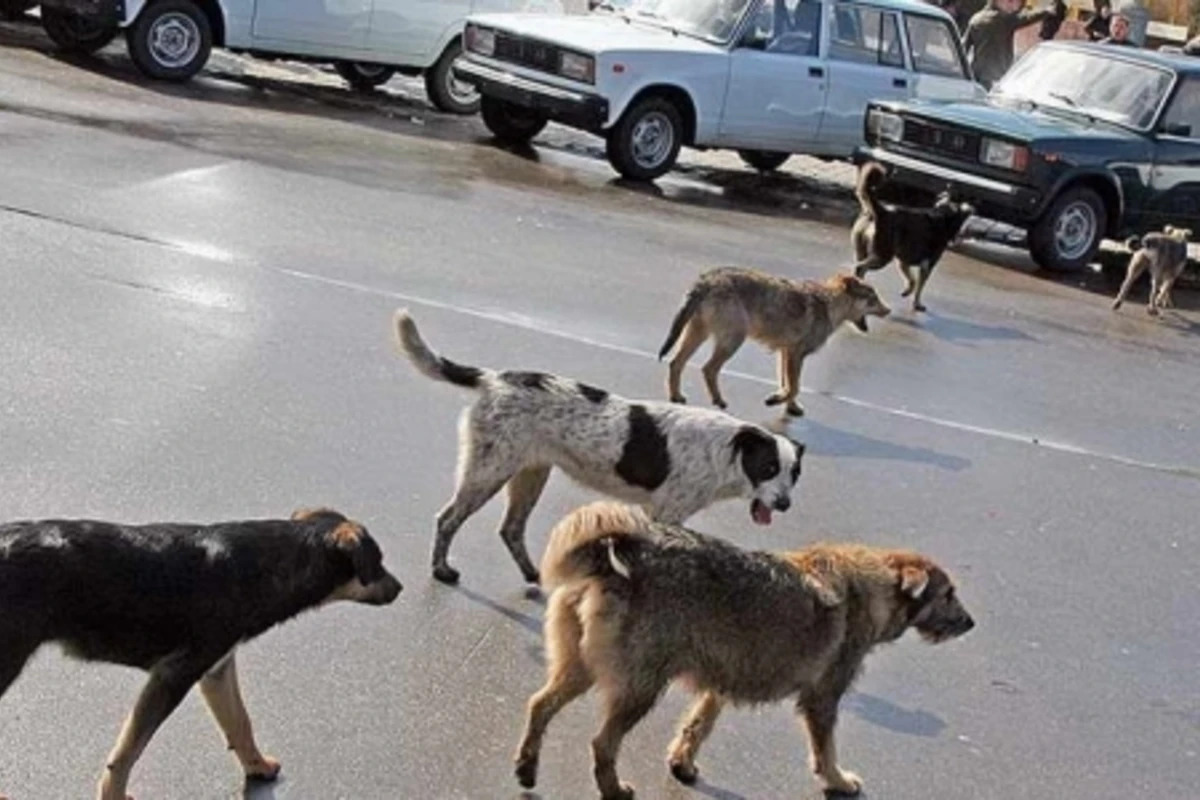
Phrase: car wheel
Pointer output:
(446, 92)
(1067, 236)
(364, 77)
(764, 160)
(645, 142)
(170, 40)
(77, 33)
(510, 123)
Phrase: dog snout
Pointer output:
(965, 625)
(882, 310)
(385, 590)
(782, 503)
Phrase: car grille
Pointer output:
(953, 142)
(526, 52)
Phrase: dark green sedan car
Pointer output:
(1078, 142)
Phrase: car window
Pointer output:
(934, 46)
(788, 27)
(865, 36)
(1185, 108)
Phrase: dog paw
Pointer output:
(446, 574)
(680, 399)
(919, 307)
(526, 772)
(684, 771)
(907, 291)
(1116, 304)
(795, 410)
(721, 404)
(773, 399)
(842, 782)
(1152, 311)
(625, 792)
(265, 770)
(532, 576)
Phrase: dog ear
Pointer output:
(306, 514)
(913, 580)
(799, 447)
(352, 539)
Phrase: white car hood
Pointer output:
(594, 33)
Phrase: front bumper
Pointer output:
(996, 199)
(582, 110)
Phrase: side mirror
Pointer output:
(1177, 129)
(754, 40)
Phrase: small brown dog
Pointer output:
(795, 318)
(637, 604)
(1166, 255)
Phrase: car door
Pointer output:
(1175, 181)
(777, 82)
(939, 65)
(866, 62)
(414, 28)
(328, 23)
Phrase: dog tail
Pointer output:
(593, 541)
(691, 304)
(870, 178)
(429, 363)
(1134, 243)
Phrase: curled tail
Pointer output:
(1134, 243)
(870, 178)
(691, 304)
(429, 363)
(588, 542)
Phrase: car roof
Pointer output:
(907, 6)
(1178, 62)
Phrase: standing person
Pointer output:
(1119, 31)
(989, 37)
(1099, 26)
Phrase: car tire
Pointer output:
(364, 77)
(510, 123)
(446, 92)
(170, 41)
(764, 160)
(73, 32)
(1066, 237)
(645, 142)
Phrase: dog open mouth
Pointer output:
(760, 512)
(861, 324)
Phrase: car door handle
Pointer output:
(816, 72)
(900, 83)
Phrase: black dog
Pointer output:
(176, 600)
(913, 237)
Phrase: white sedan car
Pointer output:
(767, 78)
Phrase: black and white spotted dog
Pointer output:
(673, 460)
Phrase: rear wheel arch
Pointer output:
(678, 96)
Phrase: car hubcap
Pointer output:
(652, 139)
(461, 92)
(1075, 230)
(174, 40)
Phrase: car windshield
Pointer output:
(711, 20)
(1093, 84)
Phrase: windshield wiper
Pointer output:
(1064, 98)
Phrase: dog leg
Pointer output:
(1165, 296)
(693, 336)
(794, 363)
(470, 496)
(224, 697)
(524, 489)
(15, 650)
(820, 721)
(781, 372)
(695, 728)
(1155, 287)
(924, 270)
(1137, 265)
(868, 264)
(567, 678)
(723, 349)
(909, 283)
(624, 709)
(169, 682)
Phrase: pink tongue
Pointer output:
(761, 513)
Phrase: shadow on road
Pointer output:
(886, 714)
(827, 441)
(961, 331)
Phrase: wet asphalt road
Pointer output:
(194, 325)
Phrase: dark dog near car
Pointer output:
(176, 600)
(637, 604)
(915, 238)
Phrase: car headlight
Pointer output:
(885, 125)
(577, 67)
(479, 40)
(1005, 155)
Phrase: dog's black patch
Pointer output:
(459, 374)
(526, 380)
(592, 393)
(799, 448)
(760, 456)
(645, 459)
